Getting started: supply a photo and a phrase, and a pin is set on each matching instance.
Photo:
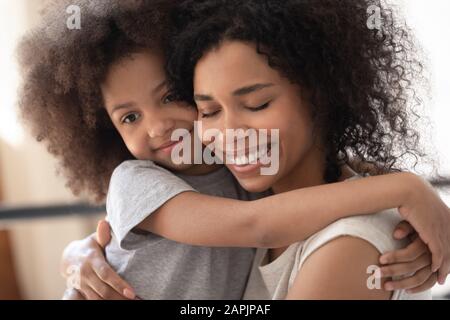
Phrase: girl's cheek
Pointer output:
(189, 113)
(136, 148)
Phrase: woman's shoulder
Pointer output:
(377, 229)
(361, 234)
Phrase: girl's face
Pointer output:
(140, 107)
(235, 88)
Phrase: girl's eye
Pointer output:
(210, 115)
(264, 106)
(130, 118)
(168, 98)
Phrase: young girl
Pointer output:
(98, 96)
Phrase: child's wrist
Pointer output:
(413, 187)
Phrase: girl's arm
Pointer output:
(285, 218)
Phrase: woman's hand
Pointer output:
(412, 264)
(72, 294)
(95, 279)
(430, 217)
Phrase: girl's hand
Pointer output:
(95, 279)
(430, 217)
(412, 263)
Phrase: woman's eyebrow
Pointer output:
(252, 88)
(238, 92)
(202, 97)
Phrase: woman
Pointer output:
(334, 89)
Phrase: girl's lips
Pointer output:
(168, 148)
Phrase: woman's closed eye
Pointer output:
(209, 114)
(261, 107)
(252, 109)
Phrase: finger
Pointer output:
(413, 251)
(103, 233)
(418, 279)
(407, 268)
(442, 278)
(104, 290)
(436, 257)
(425, 286)
(72, 294)
(443, 273)
(403, 229)
(90, 294)
(110, 277)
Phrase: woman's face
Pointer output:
(235, 88)
(137, 100)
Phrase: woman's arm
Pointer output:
(338, 270)
(96, 279)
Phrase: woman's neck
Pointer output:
(307, 173)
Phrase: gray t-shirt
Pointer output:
(158, 268)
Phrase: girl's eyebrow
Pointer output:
(132, 104)
(122, 106)
(238, 92)
(160, 86)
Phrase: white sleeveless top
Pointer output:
(273, 280)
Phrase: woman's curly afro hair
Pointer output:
(62, 70)
(360, 79)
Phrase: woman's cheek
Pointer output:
(202, 128)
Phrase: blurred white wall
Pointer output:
(429, 20)
(27, 173)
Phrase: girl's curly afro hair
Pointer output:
(360, 78)
(62, 70)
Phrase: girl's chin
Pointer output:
(175, 167)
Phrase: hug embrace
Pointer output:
(340, 218)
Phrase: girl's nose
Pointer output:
(160, 128)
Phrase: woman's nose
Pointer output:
(233, 121)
